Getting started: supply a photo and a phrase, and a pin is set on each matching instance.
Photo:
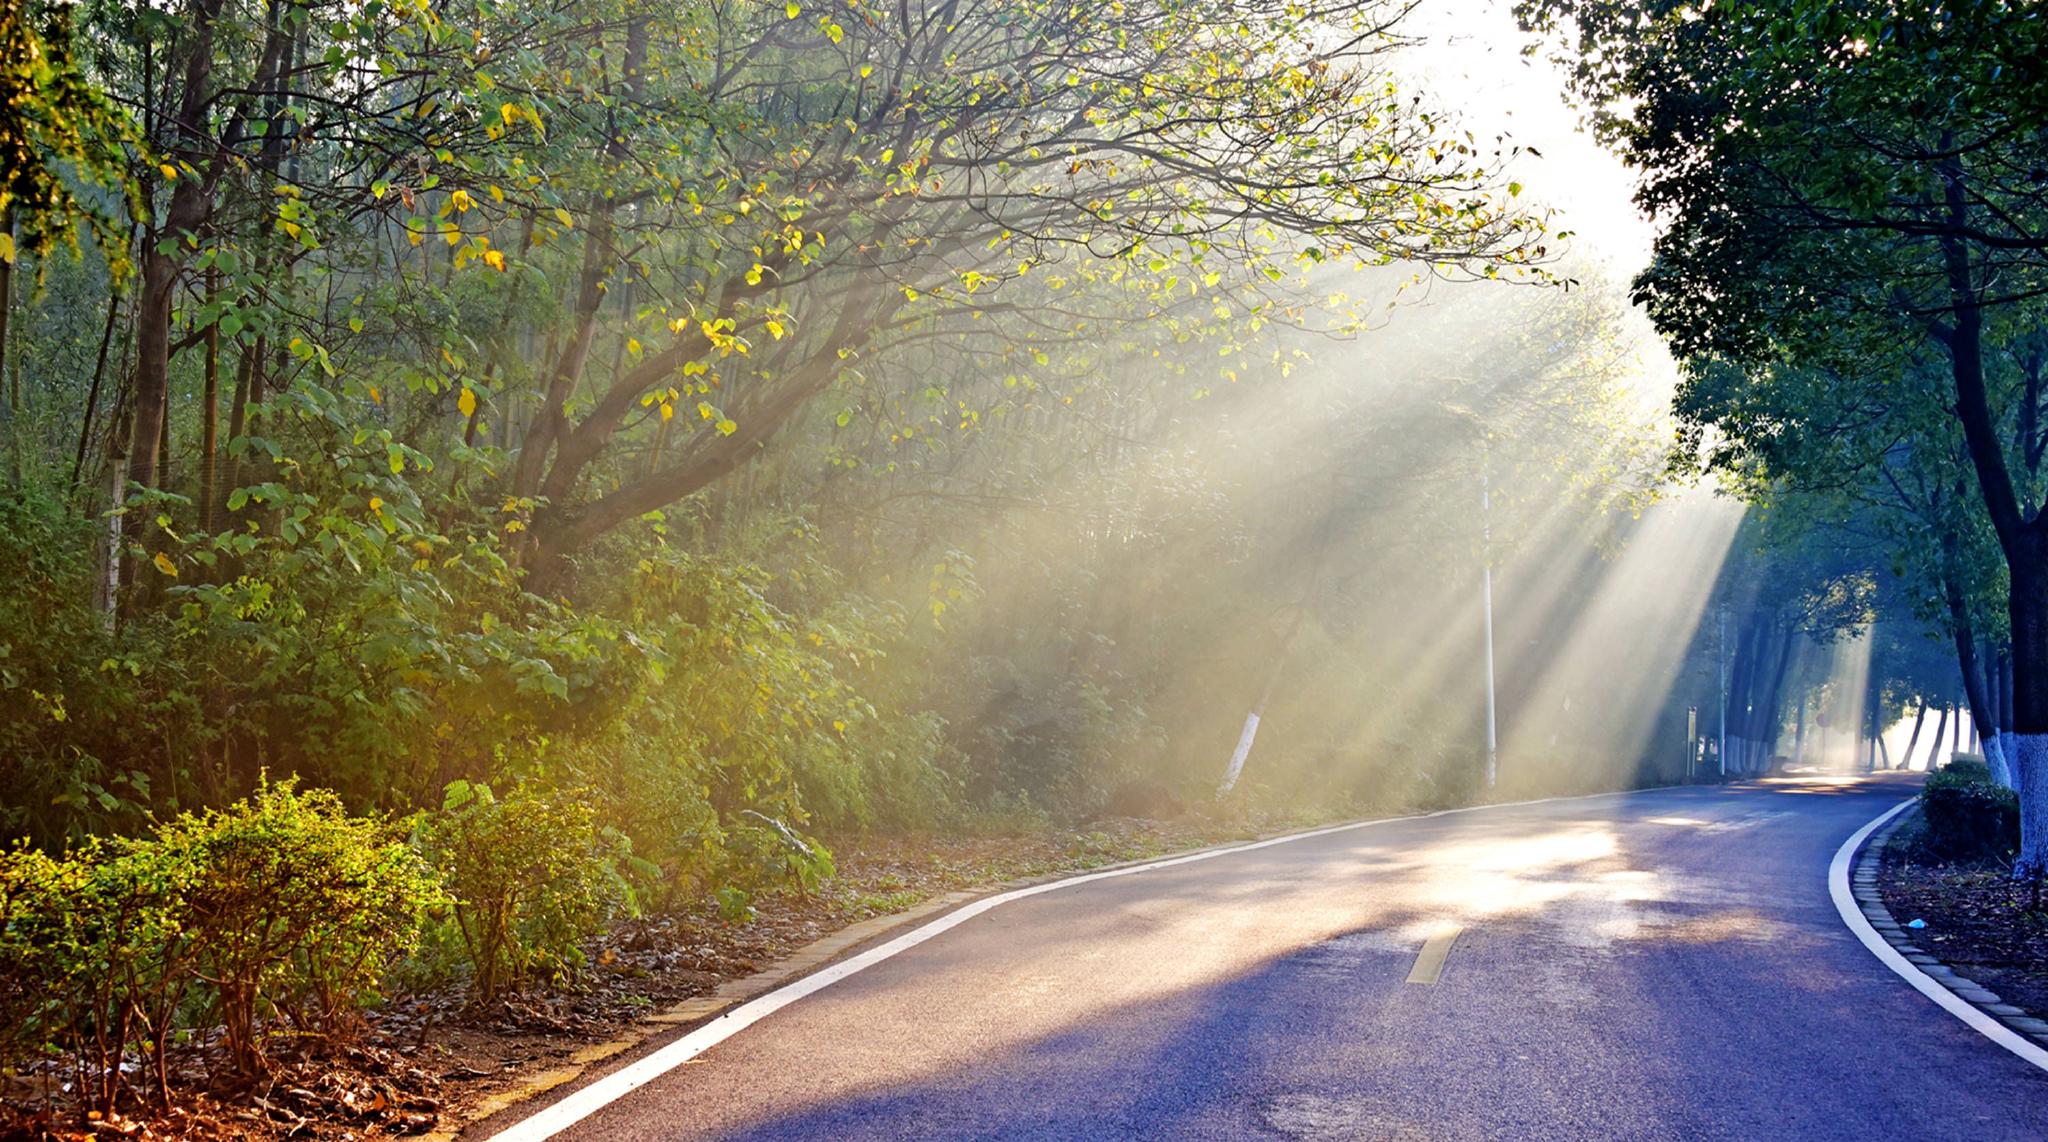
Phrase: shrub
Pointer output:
(532, 878)
(292, 907)
(280, 904)
(1968, 816)
(94, 958)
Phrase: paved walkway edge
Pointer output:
(1852, 883)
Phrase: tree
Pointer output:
(61, 139)
(1844, 184)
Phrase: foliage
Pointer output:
(649, 441)
(1968, 816)
(1853, 269)
(291, 907)
(279, 906)
(58, 133)
(532, 877)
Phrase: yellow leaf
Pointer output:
(375, 396)
(668, 412)
(7, 248)
(170, 174)
(563, 216)
(377, 504)
(164, 564)
(793, 8)
(507, 112)
(495, 259)
(461, 200)
(467, 402)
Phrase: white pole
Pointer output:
(1721, 652)
(1486, 573)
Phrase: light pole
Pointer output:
(1721, 655)
(1486, 580)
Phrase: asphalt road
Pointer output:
(1657, 965)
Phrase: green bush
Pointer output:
(291, 907)
(95, 957)
(279, 908)
(1968, 817)
(532, 878)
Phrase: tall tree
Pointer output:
(1844, 182)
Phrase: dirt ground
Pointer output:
(1979, 920)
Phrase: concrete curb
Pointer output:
(1863, 886)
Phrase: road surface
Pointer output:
(1655, 965)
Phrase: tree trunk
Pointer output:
(1919, 719)
(2023, 541)
(7, 311)
(1965, 639)
(2028, 606)
(1765, 723)
(1740, 675)
(1799, 732)
(2008, 740)
(1934, 747)
(99, 372)
(191, 202)
(209, 413)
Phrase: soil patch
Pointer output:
(1980, 921)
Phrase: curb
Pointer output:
(2025, 1034)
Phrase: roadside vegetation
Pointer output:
(499, 498)
(478, 481)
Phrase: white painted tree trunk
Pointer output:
(2030, 751)
(1237, 756)
(2009, 751)
(1995, 758)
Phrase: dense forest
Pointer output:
(476, 471)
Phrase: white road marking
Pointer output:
(1429, 965)
(582, 1103)
(1956, 1005)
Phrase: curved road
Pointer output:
(1655, 965)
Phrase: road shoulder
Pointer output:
(1852, 883)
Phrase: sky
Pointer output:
(1471, 61)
